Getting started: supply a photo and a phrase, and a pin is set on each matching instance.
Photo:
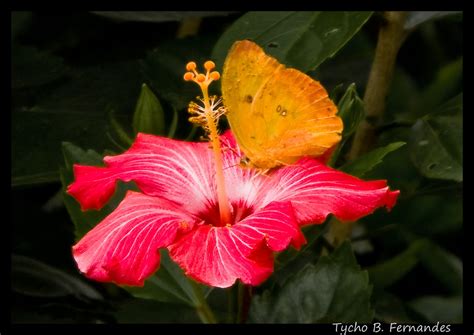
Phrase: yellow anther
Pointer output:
(228, 225)
(188, 76)
(215, 75)
(209, 65)
(201, 78)
(191, 66)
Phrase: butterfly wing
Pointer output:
(300, 118)
(290, 114)
(246, 69)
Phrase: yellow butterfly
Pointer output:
(277, 114)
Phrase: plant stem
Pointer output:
(240, 301)
(338, 232)
(230, 304)
(243, 302)
(391, 36)
(202, 308)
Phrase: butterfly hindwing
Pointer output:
(300, 118)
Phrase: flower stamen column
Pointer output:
(207, 116)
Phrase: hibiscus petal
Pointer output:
(275, 223)
(123, 248)
(242, 184)
(176, 170)
(218, 256)
(230, 145)
(213, 256)
(316, 190)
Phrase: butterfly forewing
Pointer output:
(289, 114)
(246, 69)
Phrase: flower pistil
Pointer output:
(207, 116)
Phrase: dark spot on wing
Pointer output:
(245, 161)
(248, 99)
(281, 110)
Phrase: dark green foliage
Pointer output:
(84, 84)
(334, 289)
(298, 39)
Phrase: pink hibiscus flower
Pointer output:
(178, 210)
(181, 208)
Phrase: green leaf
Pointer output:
(442, 212)
(350, 110)
(436, 142)
(389, 308)
(168, 284)
(75, 155)
(118, 129)
(84, 221)
(367, 162)
(34, 278)
(350, 64)
(439, 309)
(404, 101)
(389, 272)
(297, 39)
(291, 260)
(149, 116)
(416, 18)
(444, 266)
(337, 92)
(447, 83)
(397, 167)
(407, 102)
(335, 289)
(161, 16)
(174, 124)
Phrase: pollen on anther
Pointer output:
(209, 65)
(188, 76)
(215, 75)
(191, 66)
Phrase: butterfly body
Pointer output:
(277, 114)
